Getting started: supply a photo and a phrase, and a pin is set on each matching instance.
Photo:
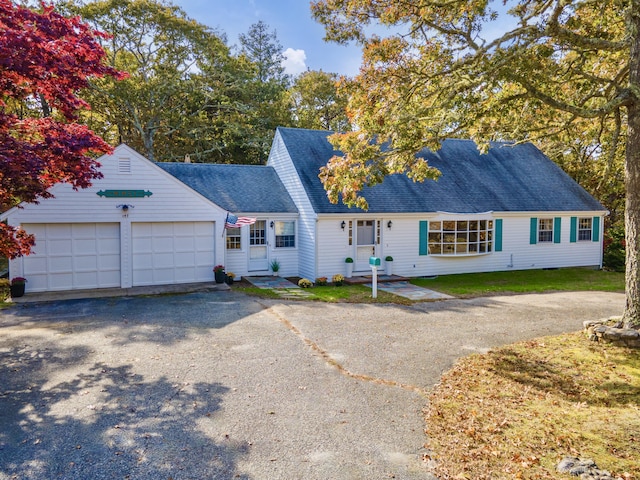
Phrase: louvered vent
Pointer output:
(124, 165)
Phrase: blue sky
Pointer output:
(300, 36)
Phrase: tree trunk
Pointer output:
(631, 315)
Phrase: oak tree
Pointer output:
(489, 70)
(317, 103)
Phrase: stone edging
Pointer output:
(586, 469)
(599, 331)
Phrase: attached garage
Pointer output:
(172, 252)
(136, 226)
(71, 256)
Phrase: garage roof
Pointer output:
(236, 188)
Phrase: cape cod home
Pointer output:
(512, 208)
(148, 223)
(145, 225)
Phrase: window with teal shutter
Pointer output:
(424, 235)
(557, 225)
(596, 229)
(498, 240)
(573, 236)
(533, 233)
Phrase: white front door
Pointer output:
(258, 253)
(366, 242)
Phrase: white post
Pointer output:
(374, 285)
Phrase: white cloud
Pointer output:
(294, 61)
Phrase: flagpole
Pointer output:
(225, 224)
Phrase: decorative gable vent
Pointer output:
(124, 165)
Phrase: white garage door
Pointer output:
(172, 252)
(73, 256)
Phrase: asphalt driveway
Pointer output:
(218, 385)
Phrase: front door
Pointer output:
(366, 242)
(258, 258)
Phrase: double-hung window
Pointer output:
(285, 232)
(545, 230)
(234, 238)
(584, 229)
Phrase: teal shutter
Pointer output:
(533, 233)
(557, 225)
(573, 236)
(498, 234)
(424, 237)
(595, 233)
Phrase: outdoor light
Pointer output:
(343, 224)
(125, 208)
(389, 223)
(271, 224)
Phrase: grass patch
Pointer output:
(354, 294)
(518, 410)
(329, 294)
(525, 281)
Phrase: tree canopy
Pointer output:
(559, 72)
(317, 103)
(46, 60)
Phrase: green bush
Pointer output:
(614, 249)
(4, 289)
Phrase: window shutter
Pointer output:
(424, 237)
(595, 233)
(557, 226)
(573, 236)
(498, 236)
(533, 234)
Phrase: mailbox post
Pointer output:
(374, 263)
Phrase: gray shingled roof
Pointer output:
(508, 178)
(236, 188)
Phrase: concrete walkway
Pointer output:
(219, 385)
(402, 288)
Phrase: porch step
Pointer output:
(358, 279)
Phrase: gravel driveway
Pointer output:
(222, 386)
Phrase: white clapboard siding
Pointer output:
(306, 239)
(170, 201)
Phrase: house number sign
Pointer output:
(124, 193)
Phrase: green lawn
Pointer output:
(470, 285)
(525, 281)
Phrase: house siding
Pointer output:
(237, 261)
(171, 201)
(306, 252)
(402, 242)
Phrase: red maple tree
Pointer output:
(45, 58)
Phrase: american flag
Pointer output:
(234, 221)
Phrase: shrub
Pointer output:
(4, 288)
(305, 283)
(614, 249)
(337, 279)
(321, 281)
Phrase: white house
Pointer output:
(141, 225)
(148, 223)
(512, 208)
